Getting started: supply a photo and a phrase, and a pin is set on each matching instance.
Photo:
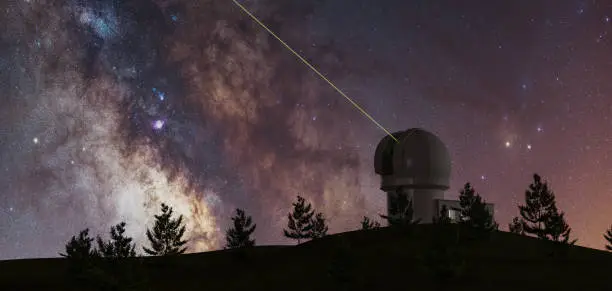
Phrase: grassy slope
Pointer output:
(382, 258)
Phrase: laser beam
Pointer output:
(313, 69)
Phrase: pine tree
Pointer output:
(474, 212)
(367, 223)
(608, 237)
(442, 218)
(539, 201)
(119, 246)
(556, 228)
(167, 234)
(319, 227)
(516, 226)
(300, 221)
(401, 212)
(81, 247)
(240, 235)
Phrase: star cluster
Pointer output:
(110, 107)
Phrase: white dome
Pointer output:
(419, 160)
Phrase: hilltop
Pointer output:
(378, 259)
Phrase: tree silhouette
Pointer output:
(401, 211)
(608, 237)
(167, 234)
(442, 218)
(299, 221)
(119, 246)
(240, 235)
(556, 228)
(81, 247)
(539, 201)
(516, 226)
(540, 215)
(367, 223)
(319, 226)
(474, 212)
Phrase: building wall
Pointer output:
(454, 208)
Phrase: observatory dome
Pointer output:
(419, 160)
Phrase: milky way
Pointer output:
(114, 108)
(109, 108)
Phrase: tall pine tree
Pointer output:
(539, 201)
(319, 226)
(367, 223)
(119, 245)
(80, 247)
(540, 216)
(167, 235)
(608, 237)
(299, 221)
(474, 212)
(401, 212)
(556, 228)
(240, 235)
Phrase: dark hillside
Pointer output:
(359, 260)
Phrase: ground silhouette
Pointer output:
(369, 260)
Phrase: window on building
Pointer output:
(454, 214)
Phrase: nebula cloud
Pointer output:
(112, 108)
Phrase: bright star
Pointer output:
(528, 146)
(507, 144)
(35, 140)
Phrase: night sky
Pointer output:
(108, 108)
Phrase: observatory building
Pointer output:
(417, 167)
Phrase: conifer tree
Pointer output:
(474, 212)
(119, 246)
(556, 228)
(401, 212)
(166, 238)
(367, 223)
(516, 226)
(539, 201)
(240, 235)
(442, 217)
(299, 221)
(81, 247)
(319, 227)
(608, 237)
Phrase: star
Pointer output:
(35, 140)
(529, 147)
(507, 144)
